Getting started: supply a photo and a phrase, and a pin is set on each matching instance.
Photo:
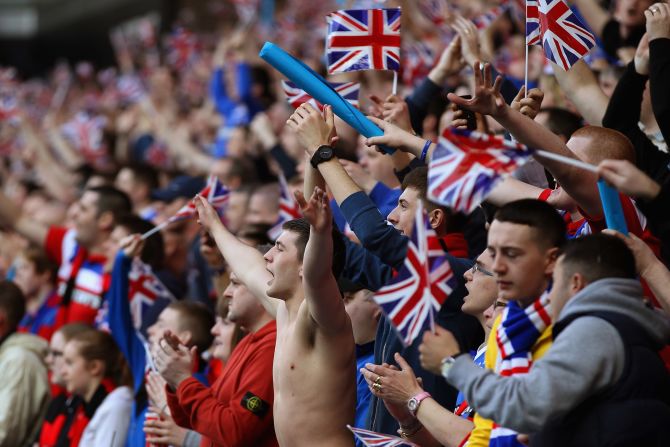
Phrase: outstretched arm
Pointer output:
(245, 261)
(594, 14)
(581, 86)
(579, 184)
(322, 295)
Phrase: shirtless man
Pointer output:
(314, 363)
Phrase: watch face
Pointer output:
(326, 153)
(412, 404)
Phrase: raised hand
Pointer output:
(628, 179)
(487, 99)
(393, 136)
(359, 175)
(173, 359)
(316, 210)
(450, 63)
(207, 215)
(312, 129)
(658, 21)
(132, 245)
(528, 105)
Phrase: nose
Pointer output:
(468, 275)
(393, 216)
(498, 266)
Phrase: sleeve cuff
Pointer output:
(355, 205)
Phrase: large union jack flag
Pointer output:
(144, 288)
(563, 36)
(363, 39)
(420, 287)
(466, 166)
(374, 439)
(214, 192)
(288, 209)
(296, 96)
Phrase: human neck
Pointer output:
(92, 388)
(293, 305)
(34, 302)
(259, 323)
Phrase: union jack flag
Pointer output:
(130, 89)
(363, 39)
(144, 288)
(483, 20)
(9, 109)
(421, 285)
(374, 439)
(288, 209)
(563, 36)
(85, 132)
(296, 96)
(466, 166)
(182, 48)
(214, 192)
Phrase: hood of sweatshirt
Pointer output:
(29, 342)
(623, 296)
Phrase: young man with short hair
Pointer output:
(314, 363)
(602, 381)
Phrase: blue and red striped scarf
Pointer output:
(519, 330)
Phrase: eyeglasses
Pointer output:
(498, 304)
(54, 353)
(477, 268)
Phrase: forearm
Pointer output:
(659, 73)
(247, 263)
(594, 14)
(657, 277)
(581, 86)
(341, 185)
(577, 183)
(313, 178)
(443, 425)
(511, 189)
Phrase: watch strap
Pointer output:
(317, 156)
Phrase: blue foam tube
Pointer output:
(317, 87)
(612, 208)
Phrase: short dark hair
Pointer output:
(112, 199)
(144, 173)
(549, 225)
(198, 319)
(153, 252)
(301, 228)
(562, 121)
(12, 303)
(41, 262)
(599, 256)
(417, 179)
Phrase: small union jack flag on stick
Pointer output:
(563, 36)
(288, 209)
(374, 439)
(296, 96)
(144, 288)
(420, 287)
(214, 192)
(363, 39)
(182, 48)
(466, 166)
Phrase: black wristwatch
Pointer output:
(323, 153)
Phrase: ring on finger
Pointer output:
(377, 387)
(378, 380)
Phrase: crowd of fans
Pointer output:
(556, 329)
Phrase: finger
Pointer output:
(172, 339)
(380, 140)
(376, 369)
(460, 123)
(401, 362)
(376, 99)
(521, 93)
(394, 99)
(330, 116)
(478, 76)
(300, 197)
(498, 84)
(457, 99)
(488, 75)
(379, 122)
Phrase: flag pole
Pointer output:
(567, 160)
(156, 229)
(525, 65)
(395, 83)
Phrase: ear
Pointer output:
(377, 314)
(437, 218)
(300, 272)
(577, 282)
(552, 257)
(106, 221)
(96, 367)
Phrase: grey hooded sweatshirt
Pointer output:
(586, 357)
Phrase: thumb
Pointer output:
(521, 93)
(379, 122)
(401, 362)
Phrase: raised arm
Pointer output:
(11, 216)
(245, 261)
(582, 89)
(594, 14)
(322, 295)
(579, 184)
